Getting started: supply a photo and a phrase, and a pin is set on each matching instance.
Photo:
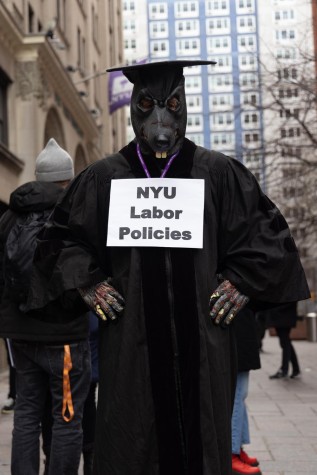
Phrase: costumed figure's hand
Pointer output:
(104, 300)
(225, 302)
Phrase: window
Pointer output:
(97, 88)
(186, 9)
(287, 113)
(217, 26)
(222, 139)
(129, 24)
(194, 122)
(288, 92)
(250, 118)
(61, 14)
(187, 28)
(217, 7)
(95, 25)
(4, 83)
(224, 63)
(284, 15)
(220, 82)
(249, 138)
(220, 101)
(248, 80)
(193, 84)
(79, 50)
(286, 73)
(129, 6)
(283, 35)
(188, 47)
(244, 6)
(158, 29)
(157, 11)
(31, 19)
(247, 62)
(247, 42)
(159, 48)
(221, 120)
(286, 53)
(250, 98)
(289, 192)
(130, 43)
(245, 23)
(221, 44)
(194, 103)
(197, 138)
(251, 157)
(291, 152)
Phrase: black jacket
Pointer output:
(283, 316)
(247, 343)
(33, 196)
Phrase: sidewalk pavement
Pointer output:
(282, 415)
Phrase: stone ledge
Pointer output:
(8, 158)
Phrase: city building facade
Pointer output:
(53, 56)
(288, 89)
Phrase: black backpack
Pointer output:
(19, 251)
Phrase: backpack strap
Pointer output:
(68, 407)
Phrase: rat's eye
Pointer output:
(173, 103)
(146, 103)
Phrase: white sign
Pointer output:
(156, 212)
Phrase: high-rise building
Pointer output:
(288, 91)
(221, 99)
(257, 104)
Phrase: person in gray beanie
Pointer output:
(50, 354)
(54, 164)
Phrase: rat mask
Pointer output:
(158, 112)
(158, 105)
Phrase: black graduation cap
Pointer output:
(175, 68)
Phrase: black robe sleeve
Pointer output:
(71, 252)
(257, 251)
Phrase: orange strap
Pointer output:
(67, 394)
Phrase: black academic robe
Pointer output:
(167, 373)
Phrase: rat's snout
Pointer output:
(162, 142)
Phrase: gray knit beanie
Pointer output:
(54, 163)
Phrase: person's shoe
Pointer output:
(8, 407)
(241, 468)
(278, 375)
(253, 461)
(295, 373)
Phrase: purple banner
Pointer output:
(120, 90)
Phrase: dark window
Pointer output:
(4, 83)
(30, 19)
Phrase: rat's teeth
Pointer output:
(158, 155)
(164, 154)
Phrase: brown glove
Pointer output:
(104, 300)
(225, 302)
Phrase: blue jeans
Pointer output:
(39, 368)
(239, 420)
